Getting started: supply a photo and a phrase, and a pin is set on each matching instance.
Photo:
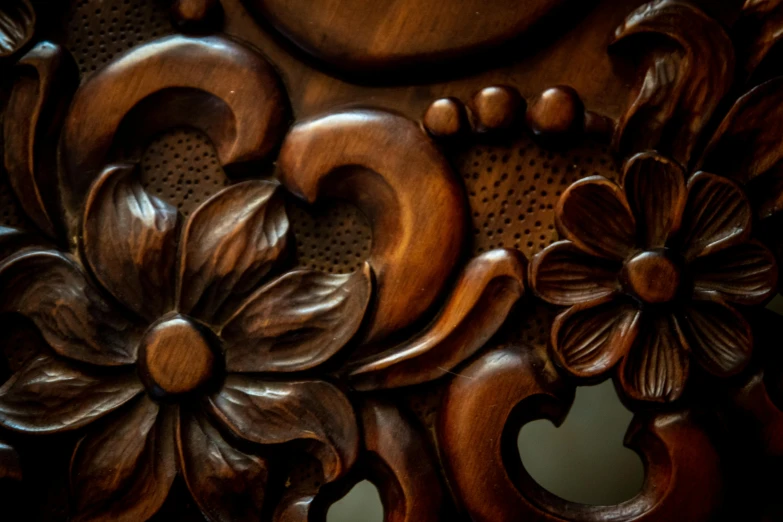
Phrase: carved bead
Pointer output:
(496, 107)
(177, 355)
(557, 111)
(653, 277)
(445, 117)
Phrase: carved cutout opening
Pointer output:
(584, 460)
(776, 304)
(361, 504)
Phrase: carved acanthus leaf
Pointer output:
(683, 85)
(46, 78)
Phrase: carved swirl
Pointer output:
(510, 386)
(388, 167)
(211, 83)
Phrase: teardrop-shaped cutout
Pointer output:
(584, 460)
(361, 504)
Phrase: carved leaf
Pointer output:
(130, 241)
(227, 484)
(589, 339)
(297, 321)
(717, 215)
(229, 244)
(763, 20)
(123, 472)
(748, 142)
(17, 25)
(719, 337)
(681, 89)
(594, 214)
(49, 396)
(562, 274)
(748, 147)
(45, 80)
(656, 367)
(76, 321)
(745, 274)
(655, 188)
(268, 412)
(482, 298)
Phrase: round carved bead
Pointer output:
(445, 117)
(196, 14)
(496, 107)
(653, 277)
(176, 356)
(556, 111)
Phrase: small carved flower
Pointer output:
(194, 347)
(650, 273)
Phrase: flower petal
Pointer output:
(656, 367)
(594, 214)
(719, 337)
(129, 240)
(589, 339)
(482, 298)
(655, 188)
(48, 396)
(297, 321)
(268, 412)
(717, 215)
(745, 274)
(227, 484)
(77, 322)
(229, 244)
(562, 274)
(124, 471)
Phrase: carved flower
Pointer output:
(650, 271)
(187, 345)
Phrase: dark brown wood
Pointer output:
(253, 252)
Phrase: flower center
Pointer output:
(176, 356)
(653, 277)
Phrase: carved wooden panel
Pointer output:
(253, 252)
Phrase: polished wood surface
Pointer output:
(253, 252)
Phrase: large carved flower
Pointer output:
(650, 271)
(186, 344)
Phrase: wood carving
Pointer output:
(47, 77)
(240, 105)
(253, 252)
(175, 341)
(650, 277)
(333, 156)
(17, 26)
(521, 387)
(395, 34)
